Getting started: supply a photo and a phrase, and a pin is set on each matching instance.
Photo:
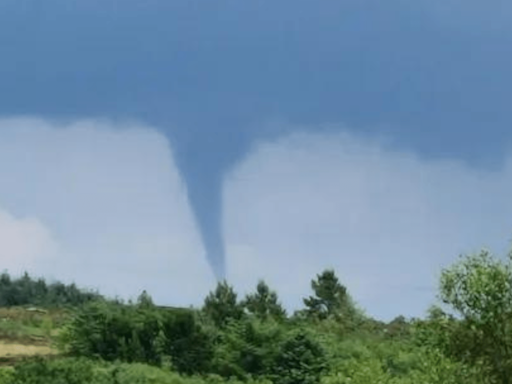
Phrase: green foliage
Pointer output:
(221, 305)
(65, 371)
(264, 303)
(330, 299)
(398, 328)
(114, 331)
(6, 375)
(28, 291)
(145, 301)
(143, 374)
(445, 333)
(330, 342)
(11, 329)
(247, 348)
(479, 289)
(186, 342)
(81, 371)
(21, 325)
(366, 360)
(301, 360)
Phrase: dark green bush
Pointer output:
(301, 360)
(66, 371)
(114, 332)
(247, 348)
(186, 342)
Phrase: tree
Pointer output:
(479, 289)
(330, 298)
(264, 303)
(221, 305)
(247, 348)
(114, 332)
(186, 342)
(40, 291)
(399, 328)
(301, 360)
(145, 300)
(147, 330)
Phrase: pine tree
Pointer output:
(264, 303)
(330, 297)
(145, 300)
(221, 305)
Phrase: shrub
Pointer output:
(301, 360)
(186, 342)
(65, 371)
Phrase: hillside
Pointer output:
(74, 336)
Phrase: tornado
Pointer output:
(203, 157)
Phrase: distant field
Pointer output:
(26, 332)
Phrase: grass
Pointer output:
(25, 333)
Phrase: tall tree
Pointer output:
(222, 305)
(301, 360)
(330, 297)
(145, 301)
(479, 289)
(247, 348)
(264, 303)
(188, 344)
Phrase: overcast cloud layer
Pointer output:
(101, 206)
(105, 207)
(386, 220)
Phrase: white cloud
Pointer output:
(106, 207)
(115, 201)
(25, 244)
(386, 220)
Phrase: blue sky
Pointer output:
(221, 131)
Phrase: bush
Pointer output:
(186, 342)
(247, 348)
(6, 375)
(83, 371)
(114, 331)
(66, 371)
(301, 360)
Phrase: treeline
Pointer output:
(328, 341)
(26, 290)
(227, 337)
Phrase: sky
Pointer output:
(163, 144)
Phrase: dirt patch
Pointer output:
(8, 350)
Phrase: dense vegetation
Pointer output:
(254, 340)
(25, 291)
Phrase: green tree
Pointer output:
(145, 300)
(330, 298)
(398, 328)
(186, 342)
(479, 289)
(40, 291)
(301, 360)
(264, 303)
(221, 305)
(41, 371)
(147, 330)
(114, 332)
(247, 347)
